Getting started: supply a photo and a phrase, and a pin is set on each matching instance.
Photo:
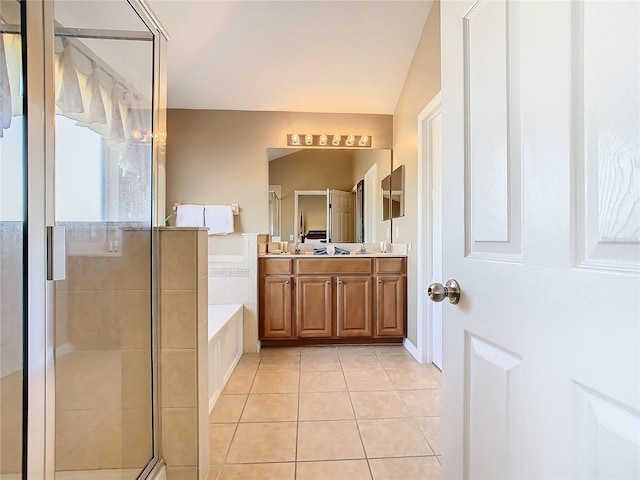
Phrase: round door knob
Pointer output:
(438, 292)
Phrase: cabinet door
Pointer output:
(353, 299)
(313, 306)
(276, 318)
(390, 306)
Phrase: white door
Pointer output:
(341, 216)
(541, 209)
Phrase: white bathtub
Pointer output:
(225, 346)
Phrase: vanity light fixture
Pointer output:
(324, 140)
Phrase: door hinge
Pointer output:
(56, 253)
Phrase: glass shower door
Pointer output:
(103, 203)
(12, 232)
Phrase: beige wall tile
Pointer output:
(202, 251)
(178, 320)
(137, 437)
(178, 252)
(136, 379)
(182, 473)
(179, 436)
(179, 378)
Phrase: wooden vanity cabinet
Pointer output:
(314, 306)
(332, 299)
(276, 299)
(353, 306)
(390, 297)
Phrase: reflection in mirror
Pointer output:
(354, 171)
(392, 187)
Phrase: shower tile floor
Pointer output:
(328, 413)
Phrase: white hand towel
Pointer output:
(190, 216)
(219, 219)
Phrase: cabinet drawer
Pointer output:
(390, 265)
(334, 266)
(276, 266)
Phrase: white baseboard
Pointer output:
(412, 349)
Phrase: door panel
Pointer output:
(314, 310)
(541, 355)
(102, 196)
(12, 254)
(389, 300)
(277, 307)
(353, 305)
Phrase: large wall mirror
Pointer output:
(303, 183)
(393, 194)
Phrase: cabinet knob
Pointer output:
(379, 281)
(286, 282)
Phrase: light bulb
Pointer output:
(350, 141)
(295, 139)
(323, 140)
(364, 141)
(336, 140)
(308, 139)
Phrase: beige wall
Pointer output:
(216, 156)
(421, 85)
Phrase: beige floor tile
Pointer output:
(320, 364)
(430, 427)
(422, 403)
(325, 406)
(259, 471)
(336, 470)
(249, 360)
(239, 382)
(276, 382)
(363, 362)
(319, 353)
(280, 364)
(228, 409)
(220, 436)
(413, 378)
(263, 442)
(393, 438)
(280, 352)
(271, 407)
(390, 350)
(214, 471)
(399, 361)
(333, 440)
(374, 379)
(412, 468)
(439, 459)
(380, 404)
(354, 349)
(322, 382)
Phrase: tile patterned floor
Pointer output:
(327, 413)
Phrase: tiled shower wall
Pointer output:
(103, 366)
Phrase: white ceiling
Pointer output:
(298, 56)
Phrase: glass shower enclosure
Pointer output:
(79, 159)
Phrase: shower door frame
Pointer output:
(39, 339)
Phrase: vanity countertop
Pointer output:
(351, 255)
